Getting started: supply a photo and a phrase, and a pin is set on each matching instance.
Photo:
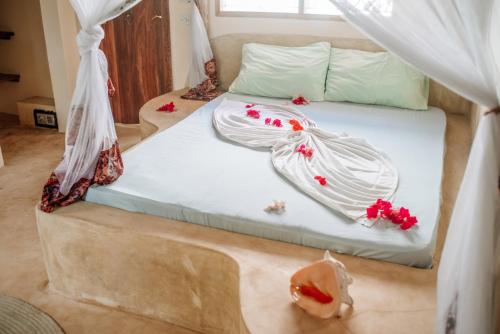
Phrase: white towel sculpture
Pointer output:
(357, 174)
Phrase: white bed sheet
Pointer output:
(189, 173)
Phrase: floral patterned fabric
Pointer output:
(109, 167)
(207, 90)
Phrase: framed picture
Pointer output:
(45, 119)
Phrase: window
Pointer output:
(320, 7)
(294, 8)
(283, 8)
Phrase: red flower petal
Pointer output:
(372, 212)
(387, 212)
(405, 225)
(308, 152)
(397, 219)
(277, 123)
(321, 180)
(169, 107)
(404, 212)
(383, 204)
(267, 121)
(253, 113)
(295, 125)
(250, 105)
(300, 100)
(305, 151)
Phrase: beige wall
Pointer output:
(60, 27)
(24, 54)
(180, 36)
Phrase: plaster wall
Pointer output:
(25, 54)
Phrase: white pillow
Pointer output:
(284, 72)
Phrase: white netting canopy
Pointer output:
(90, 131)
(449, 40)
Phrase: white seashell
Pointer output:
(275, 207)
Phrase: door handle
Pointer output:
(128, 17)
(156, 17)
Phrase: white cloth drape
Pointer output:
(203, 7)
(201, 50)
(466, 273)
(449, 41)
(357, 173)
(90, 127)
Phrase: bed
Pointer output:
(128, 260)
(190, 173)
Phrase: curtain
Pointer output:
(91, 151)
(202, 6)
(449, 41)
(202, 78)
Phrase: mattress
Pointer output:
(190, 173)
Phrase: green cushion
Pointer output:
(284, 72)
(375, 78)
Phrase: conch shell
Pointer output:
(321, 287)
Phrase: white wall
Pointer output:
(24, 54)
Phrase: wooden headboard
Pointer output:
(227, 51)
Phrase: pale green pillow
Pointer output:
(285, 72)
(375, 78)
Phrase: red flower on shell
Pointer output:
(321, 180)
(253, 113)
(169, 107)
(267, 121)
(315, 293)
(250, 105)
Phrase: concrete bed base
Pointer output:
(213, 281)
(142, 270)
(210, 280)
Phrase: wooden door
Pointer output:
(137, 45)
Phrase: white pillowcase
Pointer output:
(283, 72)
